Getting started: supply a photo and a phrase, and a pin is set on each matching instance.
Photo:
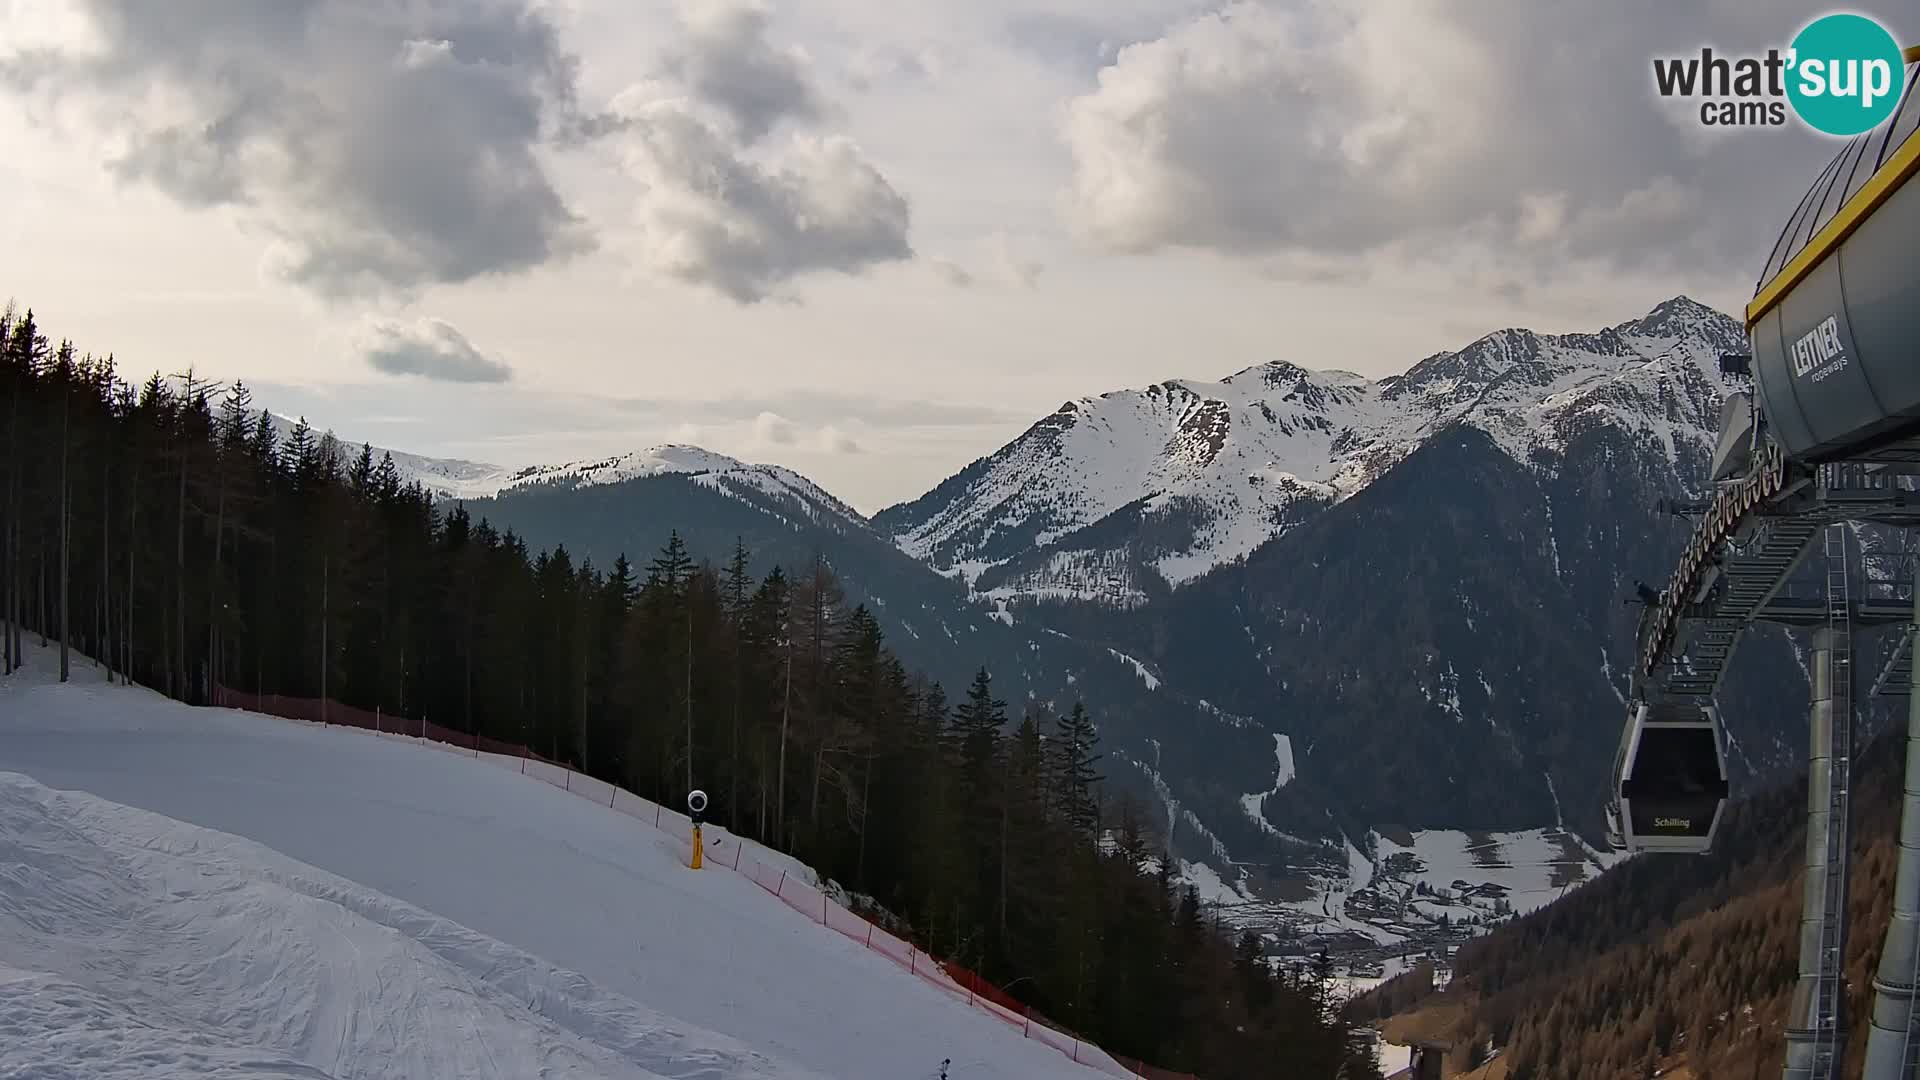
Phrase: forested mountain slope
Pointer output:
(1669, 960)
(171, 532)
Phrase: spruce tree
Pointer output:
(1074, 772)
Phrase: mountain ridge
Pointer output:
(1125, 495)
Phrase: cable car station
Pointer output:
(1823, 436)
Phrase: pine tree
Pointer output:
(1076, 777)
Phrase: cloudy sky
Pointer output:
(869, 240)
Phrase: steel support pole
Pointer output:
(1891, 1040)
(1802, 1021)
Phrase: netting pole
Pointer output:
(736, 853)
(656, 815)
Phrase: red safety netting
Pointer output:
(721, 850)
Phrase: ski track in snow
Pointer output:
(162, 941)
(132, 937)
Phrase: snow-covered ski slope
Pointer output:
(134, 941)
(385, 908)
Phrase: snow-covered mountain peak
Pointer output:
(651, 461)
(1681, 317)
(1175, 478)
(1270, 374)
(705, 467)
(456, 479)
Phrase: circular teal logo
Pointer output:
(1845, 74)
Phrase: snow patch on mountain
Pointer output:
(1225, 717)
(1255, 804)
(1526, 869)
(1140, 669)
(1208, 883)
(1066, 575)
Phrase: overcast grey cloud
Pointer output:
(725, 209)
(891, 65)
(728, 61)
(953, 273)
(1415, 131)
(387, 146)
(429, 348)
(830, 408)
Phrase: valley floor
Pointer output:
(483, 924)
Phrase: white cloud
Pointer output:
(832, 440)
(772, 429)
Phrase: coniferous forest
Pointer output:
(165, 531)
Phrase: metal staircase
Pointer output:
(1748, 579)
(1896, 678)
(1829, 997)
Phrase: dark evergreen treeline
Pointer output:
(169, 533)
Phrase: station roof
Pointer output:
(1868, 169)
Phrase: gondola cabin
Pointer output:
(1426, 1062)
(1670, 780)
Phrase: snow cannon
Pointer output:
(1669, 780)
(696, 808)
(1834, 324)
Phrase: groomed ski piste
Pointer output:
(209, 892)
